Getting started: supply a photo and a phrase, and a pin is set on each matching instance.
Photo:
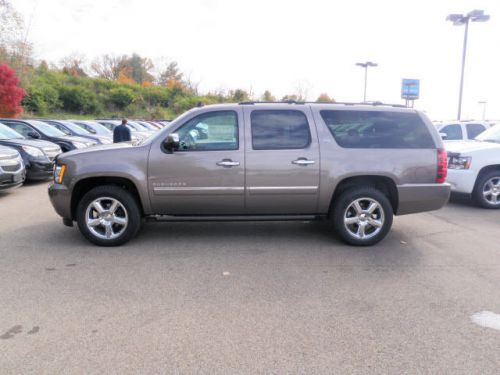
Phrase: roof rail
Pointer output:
(342, 103)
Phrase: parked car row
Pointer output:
(37, 142)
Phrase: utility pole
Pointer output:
(366, 65)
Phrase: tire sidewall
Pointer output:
(345, 199)
(478, 191)
(125, 198)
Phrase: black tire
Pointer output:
(125, 198)
(478, 195)
(340, 209)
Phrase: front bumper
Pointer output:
(415, 198)
(61, 200)
(39, 170)
(462, 181)
(12, 180)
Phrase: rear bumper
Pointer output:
(415, 198)
(61, 200)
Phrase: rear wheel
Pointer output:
(362, 216)
(487, 191)
(108, 216)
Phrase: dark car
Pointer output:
(34, 129)
(70, 128)
(38, 156)
(93, 127)
(12, 170)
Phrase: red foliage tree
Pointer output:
(11, 94)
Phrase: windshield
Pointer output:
(490, 135)
(137, 126)
(8, 133)
(46, 128)
(75, 128)
(98, 128)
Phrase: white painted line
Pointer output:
(487, 319)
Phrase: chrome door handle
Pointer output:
(228, 163)
(303, 161)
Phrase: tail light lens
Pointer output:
(442, 166)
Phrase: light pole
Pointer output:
(483, 102)
(366, 65)
(459, 20)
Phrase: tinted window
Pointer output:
(277, 130)
(453, 132)
(377, 129)
(210, 132)
(21, 128)
(473, 130)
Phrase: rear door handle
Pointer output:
(228, 163)
(303, 161)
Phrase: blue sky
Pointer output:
(284, 45)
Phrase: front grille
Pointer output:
(11, 168)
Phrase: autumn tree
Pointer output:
(107, 67)
(324, 98)
(11, 94)
(74, 65)
(170, 73)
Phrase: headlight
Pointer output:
(59, 172)
(79, 144)
(33, 151)
(459, 162)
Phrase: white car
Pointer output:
(462, 130)
(474, 167)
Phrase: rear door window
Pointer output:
(377, 129)
(279, 130)
(473, 130)
(453, 132)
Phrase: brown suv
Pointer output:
(357, 165)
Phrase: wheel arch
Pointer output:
(485, 170)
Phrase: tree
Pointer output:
(107, 67)
(267, 97)
(138, 68)
(121, 97)
(239, 95)
(73, 65)
(170, 73)
(11, 94)
(324, 98)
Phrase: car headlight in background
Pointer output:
(79, 145)
(59, 172)
(459, 162)
(33, 151)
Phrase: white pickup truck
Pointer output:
(474, 167)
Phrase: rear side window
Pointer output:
(473, 130)
(377, 129)
(453, 132)
(279, 129)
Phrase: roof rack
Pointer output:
(342, 103)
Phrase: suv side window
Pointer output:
(61, 128)
(377, 129)
(21, 128)
(473, 130)
(212, 131)
(279, 129)
(453, 132)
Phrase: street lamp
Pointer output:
(366, 65)
(483, 102)
(459, 20)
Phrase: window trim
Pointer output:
(205, 113)
(309, 140)
(474, 124)
(459, 127)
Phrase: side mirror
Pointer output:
(444, 136)
(91, 131)
(171, 144)
(34, 135)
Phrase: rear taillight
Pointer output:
(442, 166)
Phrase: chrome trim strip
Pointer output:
(260, 190)
(202, 190)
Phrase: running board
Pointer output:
(236, 218)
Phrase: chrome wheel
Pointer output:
(106, 218)
(364, 218)
(491, 191)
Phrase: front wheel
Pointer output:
(108, 216)
(362, 216)
(487, 191)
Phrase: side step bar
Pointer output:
(236, 218)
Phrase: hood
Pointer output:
(113, 146)
(8, 153)
(465, 147)
(29, 142)
(73, 138)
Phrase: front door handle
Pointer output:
(303, 161)
(228, 163)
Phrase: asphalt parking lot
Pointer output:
(233, 298)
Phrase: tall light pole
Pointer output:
(366, 65)
(483, 102)
(459, 20)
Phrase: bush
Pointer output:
(121, 97)
(42, 99)
(78, 99)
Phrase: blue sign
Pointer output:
(410, 89)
